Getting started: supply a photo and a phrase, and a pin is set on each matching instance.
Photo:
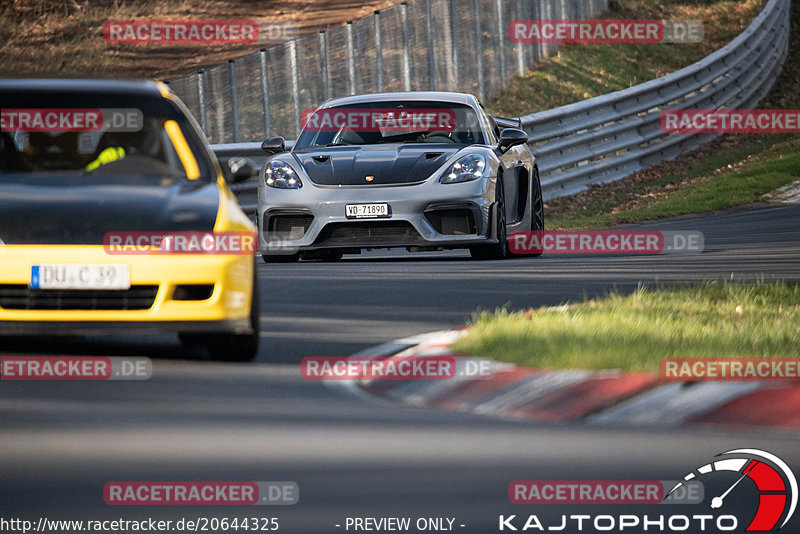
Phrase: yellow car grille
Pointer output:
(21, 297)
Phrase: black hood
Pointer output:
(80, 210)
(388, 164)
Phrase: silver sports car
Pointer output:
(419, 170)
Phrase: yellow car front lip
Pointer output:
(232, 326)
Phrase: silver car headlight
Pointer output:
(280, 175)
(467, 168)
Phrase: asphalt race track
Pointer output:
(336, 309)
(355, 457)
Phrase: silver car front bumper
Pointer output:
(314, 217)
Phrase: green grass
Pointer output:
(634, 332)
(584, 71)
(730, 177)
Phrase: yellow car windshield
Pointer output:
(152, 146)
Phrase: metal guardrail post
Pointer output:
(234, 99)
(454, 40)
(479, 45)
(520, 46)
(406, 54)
(431, 58)
(295, 84)
(501, 38)
(323, 59)
(378, 51)
(351, 58)
(265, 91)
(542, 11)
(201, 99)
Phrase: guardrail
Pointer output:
(609, 137)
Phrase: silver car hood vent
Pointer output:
(374, 164)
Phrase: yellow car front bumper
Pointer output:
(227, 309)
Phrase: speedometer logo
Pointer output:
(775, 483)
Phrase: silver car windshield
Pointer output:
(376, 123)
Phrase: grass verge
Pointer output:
(738, 174)
(634, 332)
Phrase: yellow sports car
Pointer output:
(106, 190)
